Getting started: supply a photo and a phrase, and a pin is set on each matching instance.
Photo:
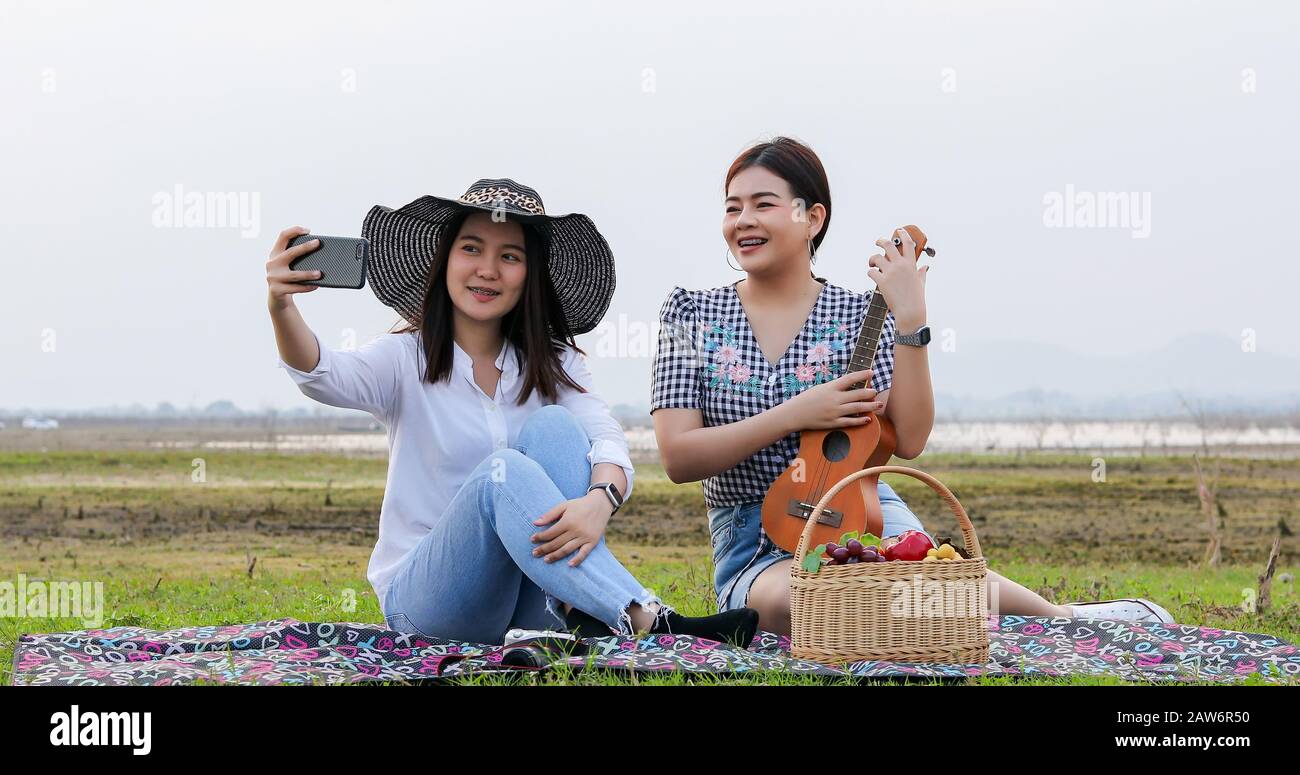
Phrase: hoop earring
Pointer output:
(812, 252)
(733, 266)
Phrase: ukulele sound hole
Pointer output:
(836, 446)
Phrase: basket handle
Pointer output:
(963, 521)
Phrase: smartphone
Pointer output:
(341, 260)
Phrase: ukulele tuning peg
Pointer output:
(929, 252)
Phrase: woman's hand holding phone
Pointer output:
(282, 281)
(294, 340)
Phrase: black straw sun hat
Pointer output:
(403, 242)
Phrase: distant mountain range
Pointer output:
(1196, 363)
(1204, 372)
(1006, 379)
(992, 379)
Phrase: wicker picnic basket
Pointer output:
(889, 610)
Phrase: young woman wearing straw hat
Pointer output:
(504, 466)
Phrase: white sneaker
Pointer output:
(1133, 609)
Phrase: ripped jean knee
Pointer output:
(648, 602)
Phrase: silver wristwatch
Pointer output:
(611, 492)
(918, 339)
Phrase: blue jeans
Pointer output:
(474, 577)
(741, 552)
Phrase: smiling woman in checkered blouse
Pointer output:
(742, 369)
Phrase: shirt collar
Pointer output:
(506, 361)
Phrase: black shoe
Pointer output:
(584, 625)
(736, 627)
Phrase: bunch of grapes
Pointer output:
(853, 552)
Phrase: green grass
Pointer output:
(174, 552)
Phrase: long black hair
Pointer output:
(535, 325)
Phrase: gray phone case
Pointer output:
(342, 260)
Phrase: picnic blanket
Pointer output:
(288, 651)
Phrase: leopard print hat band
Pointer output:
(504, 195)
(403, 242)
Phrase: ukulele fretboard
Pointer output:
(864, 352)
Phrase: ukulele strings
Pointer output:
(812, 484)
(820, 477)
(821, 474)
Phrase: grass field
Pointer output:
(173, 551)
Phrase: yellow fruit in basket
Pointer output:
(931, 552)
(947, 552)
(930, 558)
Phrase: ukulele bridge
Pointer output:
(802, 510)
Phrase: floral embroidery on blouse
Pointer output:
(819, 362)
(725, 371)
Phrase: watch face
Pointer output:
(924, 334)
(611, 492)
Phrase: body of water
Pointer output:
(989, 436)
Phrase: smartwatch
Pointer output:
(611, 492)
(918, 339)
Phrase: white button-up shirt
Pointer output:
(438, 433)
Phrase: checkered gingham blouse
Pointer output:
(709, 359)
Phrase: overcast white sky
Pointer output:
(958, 116)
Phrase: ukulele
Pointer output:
(827, 456)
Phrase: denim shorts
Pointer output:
(741, 551)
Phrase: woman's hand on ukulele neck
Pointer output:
(832, 404)
(903, 285)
